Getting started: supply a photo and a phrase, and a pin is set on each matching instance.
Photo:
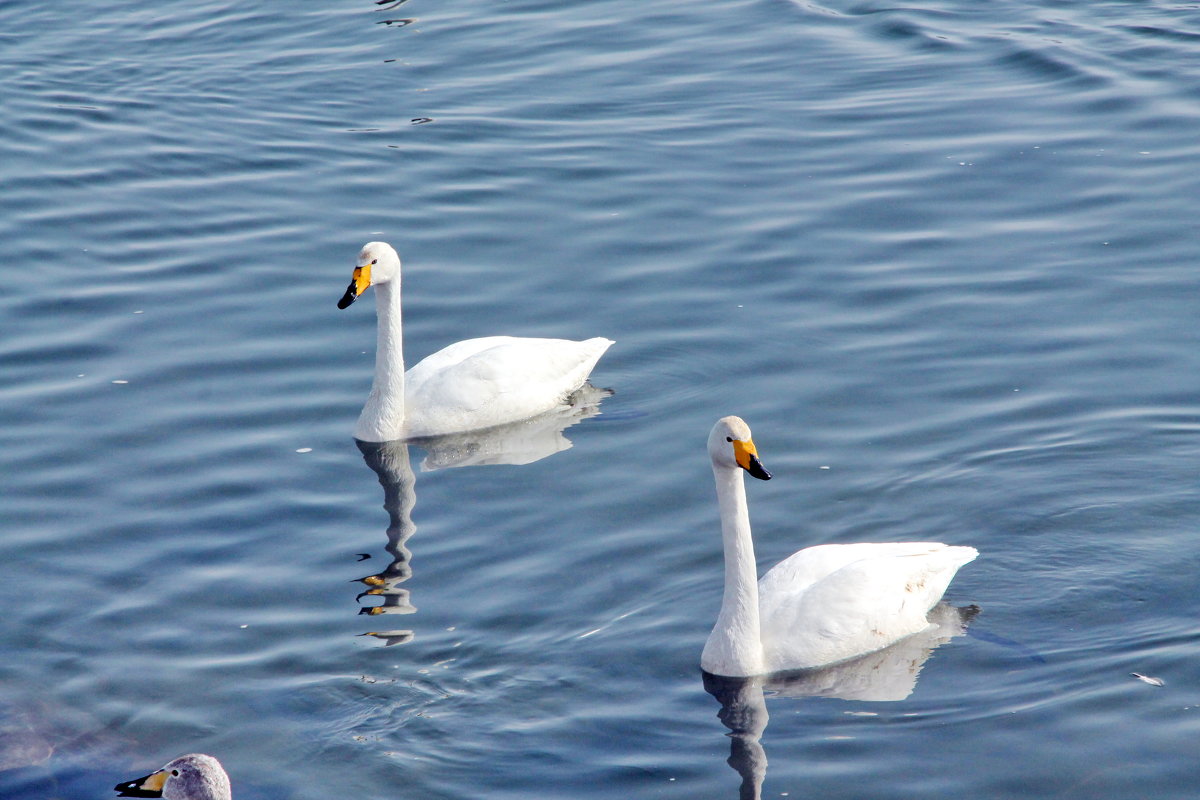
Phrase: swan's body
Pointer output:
(472, 384)
(191, 777)
(819, 606)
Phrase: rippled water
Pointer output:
(940, 257)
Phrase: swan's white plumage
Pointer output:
(821, 605)
(495, 380)
(468, 385)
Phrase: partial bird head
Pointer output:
(377, 263)
(730, 445)
(191, 777)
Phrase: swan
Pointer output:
(192, 777)
(472, 384)
(818, 606)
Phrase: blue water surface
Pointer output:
(941, 257)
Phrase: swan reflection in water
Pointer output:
(515, 443)
(883, 676)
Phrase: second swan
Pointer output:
(818, 606)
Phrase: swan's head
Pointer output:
(377, 263)
(191, 777)
(730, 445)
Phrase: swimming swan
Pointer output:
(191, 777)
(472, 384)
(819, 606)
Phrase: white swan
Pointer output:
(472, 384)
(819, 606)
(191, 777)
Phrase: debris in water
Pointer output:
(1148, 679)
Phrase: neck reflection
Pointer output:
(389, 461)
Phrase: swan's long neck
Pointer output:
(734, 647)
(382, 418)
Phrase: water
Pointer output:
(940, 257)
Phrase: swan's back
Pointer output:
(479, 383)
(829, 603)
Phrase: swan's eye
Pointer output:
(175, 772)
(374, 261)
(729, 438)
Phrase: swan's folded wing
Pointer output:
(862, 606)
(806, 567)
(496, 379)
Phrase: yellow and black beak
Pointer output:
(149, 786)
(358, 285)
(746, 455)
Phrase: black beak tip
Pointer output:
(133, 789)
(348, 298)
(757, 470)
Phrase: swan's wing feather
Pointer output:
(879, 594)
(807, 566)
(477, 383)
(453, 354)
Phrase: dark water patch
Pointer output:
(912, 32)
(1111, 103)
(1156, 32)
(1040, 63)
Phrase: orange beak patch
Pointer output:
(746, 456)
(149, 786)
(362, 278)
(358, 285)
(742, 452)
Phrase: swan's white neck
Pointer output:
(382, 418)
(734, 647)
